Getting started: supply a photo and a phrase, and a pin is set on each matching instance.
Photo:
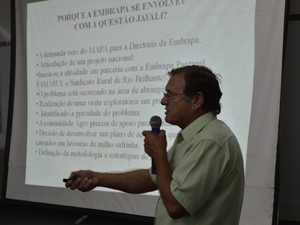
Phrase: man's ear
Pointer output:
(198, 101)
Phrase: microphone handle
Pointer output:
(153, 166)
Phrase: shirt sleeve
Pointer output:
(198, 174)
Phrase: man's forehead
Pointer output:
(176, 82)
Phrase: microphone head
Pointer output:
(155, 122)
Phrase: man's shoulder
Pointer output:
(216, 130)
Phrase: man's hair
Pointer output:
(201, 79)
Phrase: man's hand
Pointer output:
(83, 180)
(155, 144)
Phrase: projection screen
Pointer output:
(90, 75)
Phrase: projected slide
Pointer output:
(97, 71)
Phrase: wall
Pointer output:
(288, 146)
(4, 77)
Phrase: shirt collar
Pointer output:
(191, 130)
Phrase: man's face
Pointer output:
(178, 106)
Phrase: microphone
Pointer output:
(155, 123)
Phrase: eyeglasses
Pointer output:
(169, 95)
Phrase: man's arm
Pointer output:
(164, 178)
(155, 146)
(138, 181)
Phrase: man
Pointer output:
(201, 177)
